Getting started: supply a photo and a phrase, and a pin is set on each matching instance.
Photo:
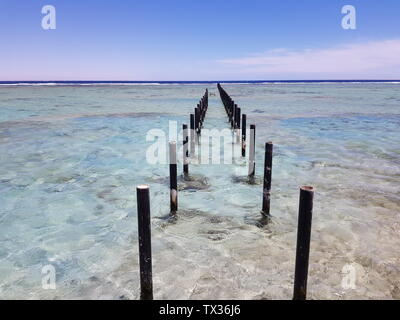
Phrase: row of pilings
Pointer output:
(143, 194)
(237, 122)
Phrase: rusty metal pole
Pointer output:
(237, 131)
(192, 135)
(185, 150)
(243, 135)
(199, 107)
(197, 120)
(252, 151)
(145, 264)
(267, 179)
(303, 242)
(173, 181)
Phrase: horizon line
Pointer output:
(195, 81)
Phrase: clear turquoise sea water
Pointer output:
(71, 156)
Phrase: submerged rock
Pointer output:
(247, 180)
(193, 183)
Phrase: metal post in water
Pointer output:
(252, 151)
(145, 264)
(303, 242)
(197, 120)
(192, 134)
(267, 179)
(173, 181)
(234, 115)
(243, 135)
(185, 150)
(238, 113)
(231, 107)
(200, 115)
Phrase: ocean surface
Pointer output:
(71, 155)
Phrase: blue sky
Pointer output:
(199, 40)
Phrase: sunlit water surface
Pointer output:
(71, 156)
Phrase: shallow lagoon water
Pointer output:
(71, 156)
